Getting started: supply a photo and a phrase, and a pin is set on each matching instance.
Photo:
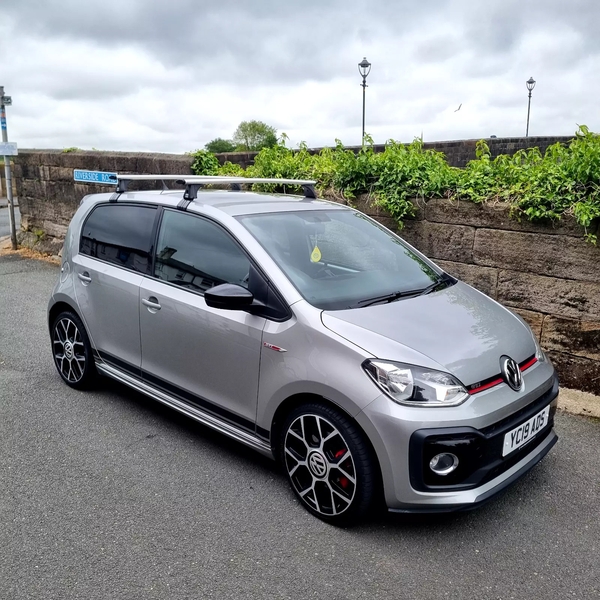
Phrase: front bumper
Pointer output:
(493, 488)
(404, 441)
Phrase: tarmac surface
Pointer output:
(4, 219)
(108, 495)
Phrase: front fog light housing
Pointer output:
(443, 464)
(416, 386)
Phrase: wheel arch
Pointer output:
(296, 400)
(58, 307)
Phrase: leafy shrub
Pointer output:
(538, 187)
(205, 163)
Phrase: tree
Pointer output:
(220, 145)
(254, 135)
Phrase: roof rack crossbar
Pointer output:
(194, 182)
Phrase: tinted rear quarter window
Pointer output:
(121, 234)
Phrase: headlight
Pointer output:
(416, 386)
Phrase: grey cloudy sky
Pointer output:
(170, 76)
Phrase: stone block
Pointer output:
(62, 191)
(125, 163)
(33, 157)
(60, 174)
(54, 229)
(557, 256)
(49, 245)
(27, 239)
(145, 165)
(439, 241)
(549, 295)
(34, 189)
(175, 166)
(367, 204)
(579, 337)
(495, 215)
(484, 279)
(577, 372)
(535, 320)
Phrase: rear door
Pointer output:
(115, 253)
(207, 356)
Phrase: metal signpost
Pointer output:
(8, 150)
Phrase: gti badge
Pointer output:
(273, 347)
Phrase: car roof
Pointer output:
(231, 202)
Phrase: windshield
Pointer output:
(340, 259)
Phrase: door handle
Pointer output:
(152, 303)
(85, 277)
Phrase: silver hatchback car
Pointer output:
(309, 332)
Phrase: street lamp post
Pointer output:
(364, 68)
(530, 83)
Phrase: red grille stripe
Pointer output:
(486, 386)
(528, 364)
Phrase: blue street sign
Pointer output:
(95, 177)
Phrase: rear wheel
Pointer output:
(72, 351)
(329, 463)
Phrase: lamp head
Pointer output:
(364, 67)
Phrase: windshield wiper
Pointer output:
(444, 279)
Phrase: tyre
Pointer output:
(72, 351)
(329, 463)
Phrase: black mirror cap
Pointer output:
(228, 296)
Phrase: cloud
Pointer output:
(135, 75)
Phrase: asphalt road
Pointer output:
(4, 222)
(107, 495)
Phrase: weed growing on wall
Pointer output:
(564, 180)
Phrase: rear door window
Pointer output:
(121, 234)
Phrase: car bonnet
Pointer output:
(458, 328)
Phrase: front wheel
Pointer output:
(329, 463)
(72, 351)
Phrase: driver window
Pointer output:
(197, 254)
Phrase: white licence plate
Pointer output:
(525, 431)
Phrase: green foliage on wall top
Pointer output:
(564, 180)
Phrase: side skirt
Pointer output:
(205, 418)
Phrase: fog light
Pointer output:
(443, 464)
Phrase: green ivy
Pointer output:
(205, 163)
(565, 180)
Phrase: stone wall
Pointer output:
(48, 196)
(549, 275)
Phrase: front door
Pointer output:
(208, 357)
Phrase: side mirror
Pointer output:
(228, 296)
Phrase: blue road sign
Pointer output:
(95, 177)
